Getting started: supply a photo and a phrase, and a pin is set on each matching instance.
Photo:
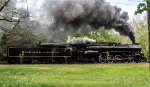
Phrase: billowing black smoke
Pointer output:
(94, 13)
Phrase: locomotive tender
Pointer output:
(90, 52)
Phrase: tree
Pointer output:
(15, 27)
(104, 36)
(99, 36)
(141, 33)
(4, 4)
(8, 12)
(145, 6)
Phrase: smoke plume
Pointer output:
(93, 13)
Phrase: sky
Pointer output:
(126, 5)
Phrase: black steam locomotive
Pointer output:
(90, 52)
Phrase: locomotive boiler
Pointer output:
(89, 52)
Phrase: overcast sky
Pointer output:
(126, 5)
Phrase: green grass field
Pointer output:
(75, 75)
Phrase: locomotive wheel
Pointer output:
(103, 61)
(117, 59)
(140, 60)
(126, 60)
(129, 61)
(111, 60)
(132, 61)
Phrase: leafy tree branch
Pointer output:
(5, 4)
(142, 7)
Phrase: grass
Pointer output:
(75, 75)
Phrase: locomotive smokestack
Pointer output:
(93, 13)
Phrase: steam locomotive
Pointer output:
(89, 52)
